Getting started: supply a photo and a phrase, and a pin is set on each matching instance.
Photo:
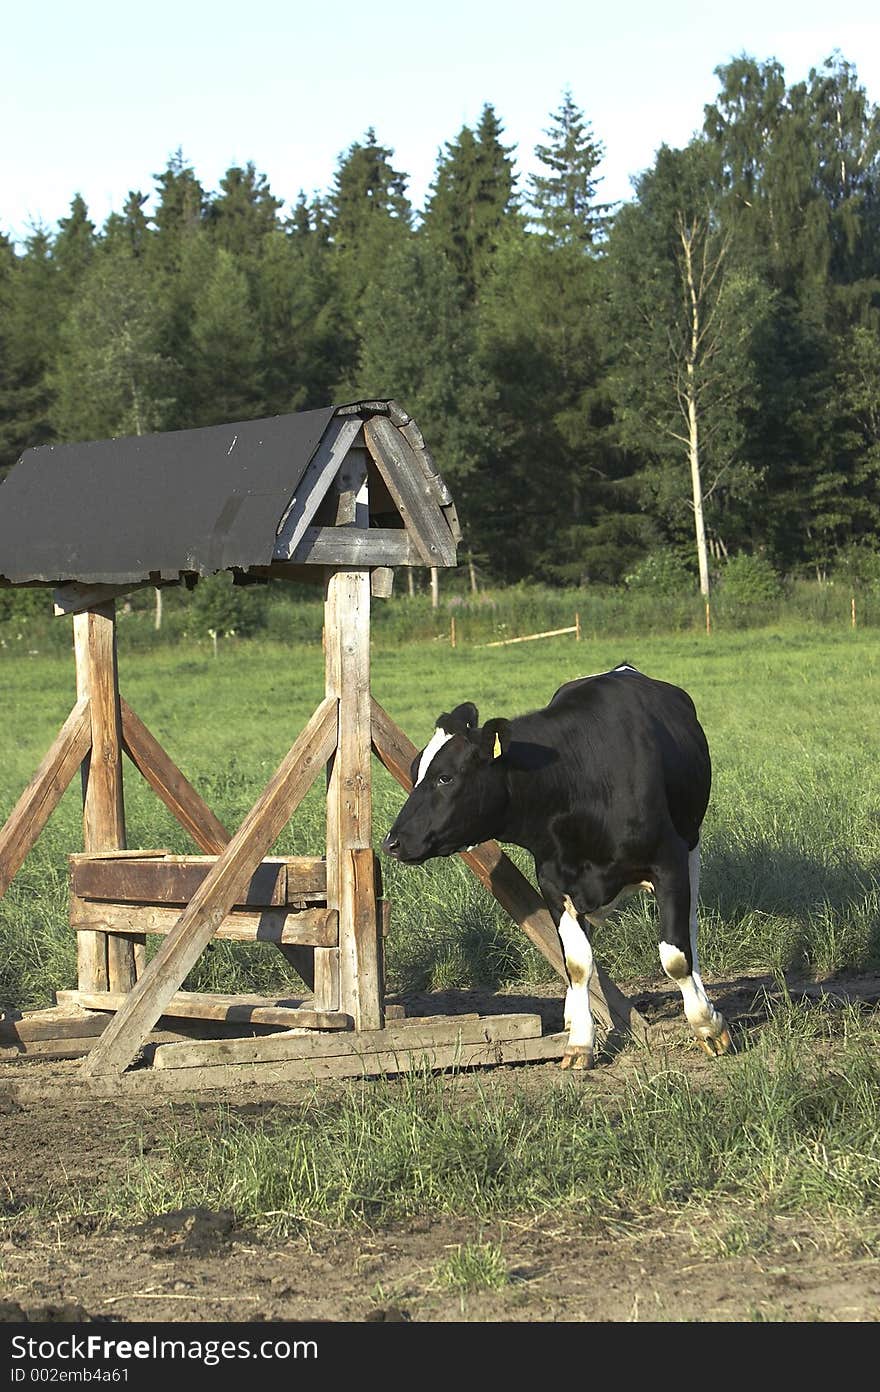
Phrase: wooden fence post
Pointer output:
(104, 963)
(349, 800)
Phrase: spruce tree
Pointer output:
(473, 201)
(244, 212)
(225, 348)
(110, 377)
(564, 200)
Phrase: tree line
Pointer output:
(694, 373)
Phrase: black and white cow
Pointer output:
(607, 787)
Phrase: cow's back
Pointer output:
(637, 732)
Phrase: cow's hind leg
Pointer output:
(677, 895)
(578, 955)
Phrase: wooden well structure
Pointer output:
(344, 496)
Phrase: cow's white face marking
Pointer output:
(579, 964)
(437, 741)
(702, 1018)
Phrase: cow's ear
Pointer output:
(494, 739)
(460, 721)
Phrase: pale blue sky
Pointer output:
(95, 96)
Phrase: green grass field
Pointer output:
(791, 843)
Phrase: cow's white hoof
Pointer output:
(578, 1057)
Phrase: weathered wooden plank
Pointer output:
(385, 1063)
(352, 546)
(313, 485)
(44, 792)
(413, 494)
(175, 879)
(39, 1025)
(166, 779)
(513, 891)
(415, 1034)
(349, 801)
(241, 1010)
(318, 927)
(214, 898)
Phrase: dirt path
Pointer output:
(196, 1266)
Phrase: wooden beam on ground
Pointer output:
(349, 798)
(44, 792)
(414, 1034)
(166, 779)
(317, 927)
(151, 1083)
(514, 892)
(283, 1013)
(94, 635)
(217, 893)
(411, 491)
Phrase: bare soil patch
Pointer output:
(197, 1265)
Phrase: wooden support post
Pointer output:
(510, 887)
(214, 898)
(103, 963)
(349, 800)
(42, 795)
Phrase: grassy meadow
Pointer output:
(790, 881)
(791, 843)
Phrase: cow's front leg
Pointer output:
(677, 886)
(578, 955)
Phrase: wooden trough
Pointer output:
(343, 496)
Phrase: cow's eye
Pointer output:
(443, 779)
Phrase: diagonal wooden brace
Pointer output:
(166, 780)
(44, 792)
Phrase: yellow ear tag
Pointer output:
(496, 751)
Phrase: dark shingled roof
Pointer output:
(154, 506)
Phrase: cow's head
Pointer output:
(459, 789)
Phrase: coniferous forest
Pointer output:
(690, 376)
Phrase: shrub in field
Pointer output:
(858, 566)
(218, 606)
(749, 580)
(663, 574)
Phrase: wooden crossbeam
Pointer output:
(171, 879)
(318, 927)
(44, 792)
(504, 880)
(166, 779)
(217, 893)
(278, 1013)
